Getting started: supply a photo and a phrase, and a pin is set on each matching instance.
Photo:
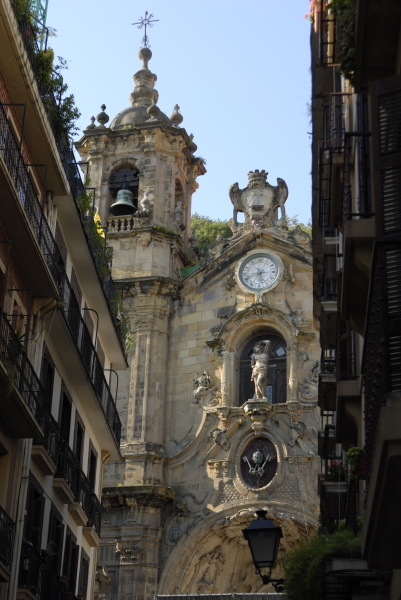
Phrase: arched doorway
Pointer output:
(276, 389)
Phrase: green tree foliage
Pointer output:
(305, 565)
(64, 112)
(207, 231)
(292, 223)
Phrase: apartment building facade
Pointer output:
(356, 169)
(60, 339)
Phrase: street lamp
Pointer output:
(263, 538)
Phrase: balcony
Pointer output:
(329, 308)
(327, 380)
(37, 580)
(348, 409)
(74, 489)
(382, 378)
(93, 369)
(46, 449)
(49, 145)
(22, 404)
(7, 532)
(23, 217)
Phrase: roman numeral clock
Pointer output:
(259, 272)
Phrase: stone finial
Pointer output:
(193, 240)
(102, 117)
(92, 124)
(153, 111)
(144, 93)
(176, 117)
(192, 146)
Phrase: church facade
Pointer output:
(219, 405)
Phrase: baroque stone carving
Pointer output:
(308, 387)
(129, 551)
(102, 582)
(205, 393)
(259, 201)
(218, 436)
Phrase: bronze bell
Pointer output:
(124, 204)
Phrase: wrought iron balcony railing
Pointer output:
(68, 467)
(328, 361)
(94, 369)
(382, 348)
(20, 372)
(51, 437)
(345, 351)
(31, 42)
(30, 569)
(70, 470)
(28, 197)
(7, 532)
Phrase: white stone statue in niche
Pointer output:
(259, 363)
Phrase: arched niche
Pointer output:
(276, 388)
(238, 336)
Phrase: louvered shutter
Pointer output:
(386, 134)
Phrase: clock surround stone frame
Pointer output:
(246, 258)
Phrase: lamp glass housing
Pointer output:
(263, 538)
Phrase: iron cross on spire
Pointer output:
(146, 21)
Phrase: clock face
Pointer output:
(260, 271)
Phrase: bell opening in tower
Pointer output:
(123, 187)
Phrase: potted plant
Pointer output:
(355, 459)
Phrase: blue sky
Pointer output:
(240, 72)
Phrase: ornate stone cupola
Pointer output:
(144, 171)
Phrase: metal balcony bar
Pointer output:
(31, 40)
(30, 568)
(345, 351)
(328, 361)
(327, 36)
(362, 207)
(69, 469)
(94, 368)
(93, 511)
(27, 196)
(325, 177)
(20, 371)
(330, 278)
(381, 365)
(7, 532)
(51, 436)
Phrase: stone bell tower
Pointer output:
(144, 171)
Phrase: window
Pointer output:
(83, 576)
(47, 378)
(70, 560)
(55, 541)
(276, 388)
(65, 417)
(35, 503)
(79, 439)
(92, 467)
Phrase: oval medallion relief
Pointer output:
(258, 463)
